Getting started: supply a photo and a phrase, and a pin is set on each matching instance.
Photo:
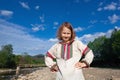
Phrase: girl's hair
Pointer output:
(69, 26)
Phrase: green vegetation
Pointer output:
(10, 60)
(107, 50)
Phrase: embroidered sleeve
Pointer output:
(86, 52)
(50, 57)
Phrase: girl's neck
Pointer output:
(66, 42)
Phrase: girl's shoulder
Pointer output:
(77, 41)
(56, 44)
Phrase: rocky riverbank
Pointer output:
(90, 74)
(42, 74)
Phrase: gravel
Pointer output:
(89, 73)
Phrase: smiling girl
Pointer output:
(64, 57)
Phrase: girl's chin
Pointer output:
(65, 40)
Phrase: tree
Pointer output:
(7, 58)
(115, 39)
(97, 48)
(107, 50)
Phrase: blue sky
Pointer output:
(31, 25)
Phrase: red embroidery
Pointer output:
(84, 52)
(49, 55)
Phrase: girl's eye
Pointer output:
(65, 33)
(68, 33)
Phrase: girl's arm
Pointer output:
(50, 59)
(87, 53)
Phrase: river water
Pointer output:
(11, 75)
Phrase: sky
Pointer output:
(31, 25)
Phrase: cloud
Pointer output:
(93, 21)
(117, 27)
(101, 3)
(78, 1)
(24, 5)
(111, 6)
(42, 18)
(53, 39)
(37, 7)
(114, 18)
(55, 23)
(21, 40)
(78, 29)
(6, 13)
(90, 37)
(104, 21)
(38, 27)
(118, 8)
(99, 9)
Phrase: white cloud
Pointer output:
(42, 18)
(117, 27)
(111, 6)
(53, 39)
(21, 40)
(37, 7)
(55, 23)
(101, 3)
(104, 21)
(90, 37)
(6, 13)
(118, 8)
(24, 5)
(93, 21)
(114, 18)
(35, 29)
(78, 29)
(99, 9)
(38, 27)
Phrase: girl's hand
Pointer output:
(80, 65)
(54, 68)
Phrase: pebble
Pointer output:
(42, 74)
(89, 73)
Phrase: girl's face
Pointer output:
(66, 34)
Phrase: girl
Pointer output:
(64, 57)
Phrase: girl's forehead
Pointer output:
(66, 29)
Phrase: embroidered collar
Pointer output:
(66, 43)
